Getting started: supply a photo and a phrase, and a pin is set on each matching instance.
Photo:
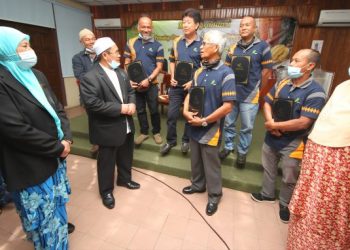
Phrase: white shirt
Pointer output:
(332, 127)
(112, 75)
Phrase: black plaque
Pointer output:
(241, 66)
(196, 103)
(183, 72)
(282, 109)
(136, 72)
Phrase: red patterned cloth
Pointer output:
(320, 206)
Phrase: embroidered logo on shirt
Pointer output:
(213, 83)
(297, 100)
(195, 49)
(150, 49)
(254, 52)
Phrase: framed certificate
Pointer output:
(196, 103)
(136, 72)
(241, 66)
(282, 109)
(183, 72)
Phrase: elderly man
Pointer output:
(255, 56)
(151, 54)
(83, 62)
(218, 82)
(284, 140)
(110, 102)
(186, 48)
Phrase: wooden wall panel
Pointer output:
(335, 54)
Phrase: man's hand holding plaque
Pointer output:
(196, 102)
(137, 76)
(241, 67)
(183, 74)
(282, 109)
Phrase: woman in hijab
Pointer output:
(35, 140)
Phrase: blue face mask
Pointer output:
(28, 59)
(295, 72)
(113, 64)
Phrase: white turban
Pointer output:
(85, 32)
(102, 44)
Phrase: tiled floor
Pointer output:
(155, 217)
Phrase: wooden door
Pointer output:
(44, 41)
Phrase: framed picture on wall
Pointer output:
(317, 45)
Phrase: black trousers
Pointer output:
(176, 99)
(108, 158)
(151, 98)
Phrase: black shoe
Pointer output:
(224, 153)
(284, 214)
(129, 185)
(258, 197)
(71, 228)
(211, 208)
(189, 190)
(241, 159)
(108, 200)
(185, 147)
(166, 148)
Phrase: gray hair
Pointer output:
(216, 37)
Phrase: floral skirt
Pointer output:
(320, 206)
(43, 213)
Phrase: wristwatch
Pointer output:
(204, 123)
(149, 79)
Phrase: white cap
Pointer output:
(102, 44)
(85, 32)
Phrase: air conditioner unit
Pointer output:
(107, 23)
(334, 18)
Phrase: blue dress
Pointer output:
(43, 213)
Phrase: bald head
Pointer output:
(249, 19)
(307, 56)
(145, 27)
(247, 28)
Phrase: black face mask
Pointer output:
(210, 65)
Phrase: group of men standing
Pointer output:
(111, 99)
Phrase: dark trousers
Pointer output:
(206, 170)
(176, 99)
(108, 157)
(151, 98)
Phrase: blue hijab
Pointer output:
(9, 41)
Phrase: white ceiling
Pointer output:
(118, 2)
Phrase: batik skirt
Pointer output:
(320, 206)
(42, 209)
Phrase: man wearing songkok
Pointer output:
(84, 60)
(110, 102)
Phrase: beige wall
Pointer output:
(70, 85)
(72, 92)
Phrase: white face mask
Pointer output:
(114, 64)
(28, 59)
